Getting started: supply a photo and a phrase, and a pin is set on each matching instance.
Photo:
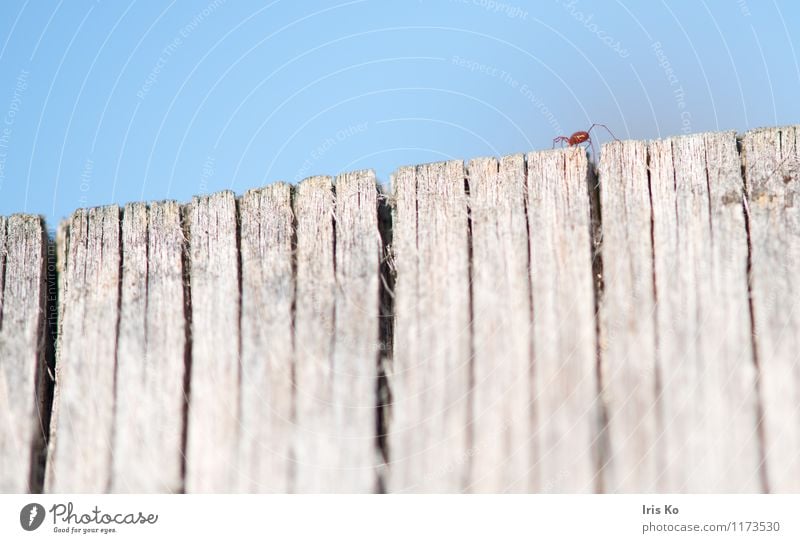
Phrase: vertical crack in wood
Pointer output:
(333, 257)
(3, 264)
(187, 346)
(674, 190)
(44, 383)
(531, 401)
(601, 451)
(146, 269)
(657, 380)
(762, 441)
(121, 263)
(470, 433)
(708, 194)
(386, 338)
(62, 248)
(238, 211)
(291, 476)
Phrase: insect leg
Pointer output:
(607, 130)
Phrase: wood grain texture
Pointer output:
(772, 169)
(566, 410)
(356, 340)
(148, 422)
(502, 409)
(336, 333)
(213, 417)
(271, 313)
(430, 378)
(315, 440)
(79, 458)
(709, 397)
(629, 371)
(23, 247)
(265, 455)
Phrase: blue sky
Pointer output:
(112, 101)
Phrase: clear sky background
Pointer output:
(114, 100)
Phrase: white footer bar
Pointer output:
(400, 518)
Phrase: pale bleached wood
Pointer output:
(677, 364)
(708, 387)
(337, 327)
(772, 169)
(213, 414)
(315, 440)
(356, 340)
(79, 458)
(148, 422)
(265, 457)
(430, 378)
(629, 371)
(23, 247)
(565, 406)
(502, 410)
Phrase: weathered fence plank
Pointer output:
(23, 249)
(265, 456)
(502, 411)
(430, 377)
(709, 421)
(772, 171)
(337, 327)
(213, 414)
(81, 434)
(566, 410)
(315, 442)
(356, 347)
(627, 321)
(148, 422)
(500, 377)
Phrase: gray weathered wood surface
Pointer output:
(22, 358)
(265, 453)
(503, 405)
(564, 384)
(682, 401)
(431, 372)
(628, 371)
(356, 339)
(314, 325)
(772, 175)
(151, 344)
(81, 429)
(213, 413)
(553, 330)
(336, 334)
(708, 393)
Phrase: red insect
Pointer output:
(581, 137)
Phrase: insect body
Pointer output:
(581, 137)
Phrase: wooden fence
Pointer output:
(527, 324)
